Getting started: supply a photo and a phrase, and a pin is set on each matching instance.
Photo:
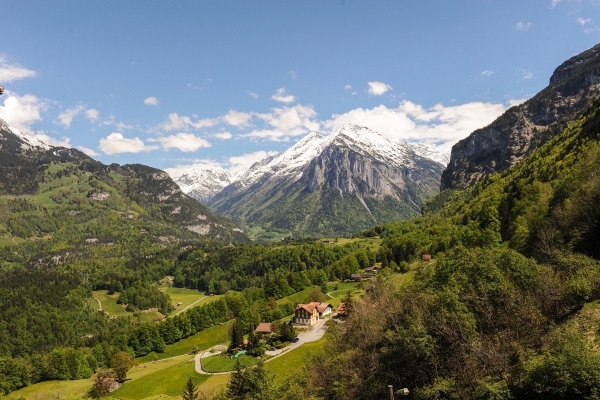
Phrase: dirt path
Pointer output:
(191, 305)
(329, 294)
(313, 334)
(99, 304)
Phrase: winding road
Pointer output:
(313, 334)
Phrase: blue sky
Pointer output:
(175, 84)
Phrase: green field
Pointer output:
(149, 379)
(368, 243)
(203, 340)
(169, 380)
(293, 361)
(186, 296)
(219, 363)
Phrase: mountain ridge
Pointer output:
(525, 127)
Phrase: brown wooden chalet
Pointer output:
(264, 327)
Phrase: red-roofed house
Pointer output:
(341, 310)
(308, 314)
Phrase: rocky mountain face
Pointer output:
(333, 185)
(524, 128)
(68, 181)
(203, 183)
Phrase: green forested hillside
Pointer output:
(497, 314)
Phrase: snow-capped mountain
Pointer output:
(432, 152)
(203, 183)
(26, 140)
(332, 185)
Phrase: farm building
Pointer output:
(309, 314)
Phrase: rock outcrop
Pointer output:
(523, 128)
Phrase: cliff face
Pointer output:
(523, 128)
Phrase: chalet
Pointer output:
(356, 277)
(264, 327)
(426, 257)
(179, 303)
(371, 271)
(309, 314)
(341, 310)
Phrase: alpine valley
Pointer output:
(115, 284)
(324, 185)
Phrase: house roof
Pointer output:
(263, 327)
(341, 308)
(311, 307)
(426, 257)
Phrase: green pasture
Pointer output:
(203, 340)
(169, 380)
(293, 361)
(220, 363)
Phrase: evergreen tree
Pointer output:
(237, 334)
(190, 392)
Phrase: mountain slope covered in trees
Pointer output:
(497, 314)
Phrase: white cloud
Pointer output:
(65, 118)
(13, 72)
(43, 137)
(487, 73)
(237, 118)
(253, 94)
(87, 151)
(592, 30)
(438, 124)
(554, 3)
(516, 102)
(223, 135)
(282, 96)
(378, 88)
(22, 111)
(283, 123)
(583, 21)
(115, 143)
(245, 161)
(523, 27)
(293, 74)
(183, 141)
(347, 87)
(109, 121)
(354, 93)
(122, 126)
(151, 101)
(527, 75)
(176, 122)
(92, 114)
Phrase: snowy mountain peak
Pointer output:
(28, 141)
(431, 152)
(204, 182)
(367, 142)
(288, 162)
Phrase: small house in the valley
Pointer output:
(341, 310)
(264, 328)
(309, 314)
(356, 277)
(371, 271)
(426, 257)
(179, 304)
